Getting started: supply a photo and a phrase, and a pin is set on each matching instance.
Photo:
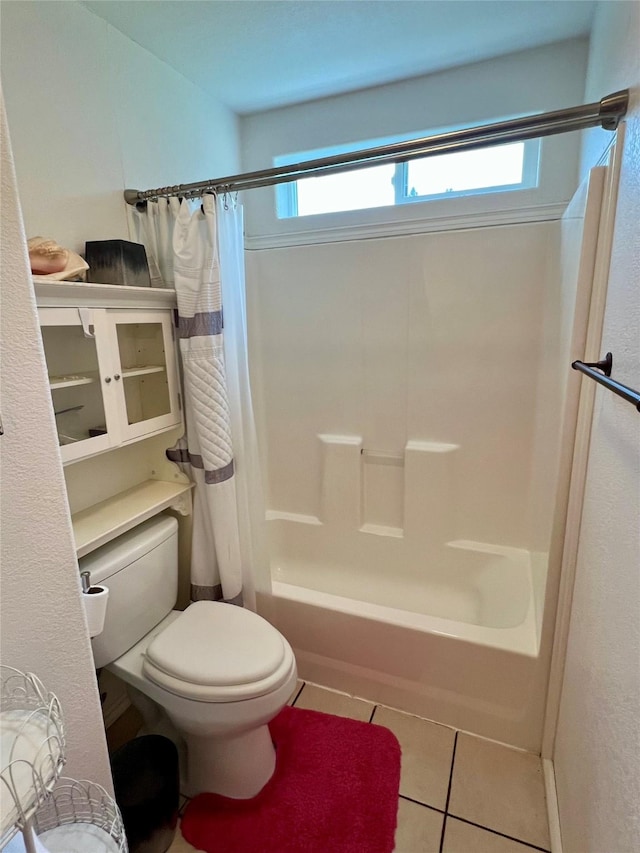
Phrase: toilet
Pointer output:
(219, 672)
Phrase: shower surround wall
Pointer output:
(410, 390)
(397, 385)
(480, 327)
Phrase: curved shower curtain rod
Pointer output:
(606, 113)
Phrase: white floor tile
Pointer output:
(427, 750)
(461, 837)
(500, 788)
(419, 828)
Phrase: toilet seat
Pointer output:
(215, 652)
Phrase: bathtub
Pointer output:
(450, 634)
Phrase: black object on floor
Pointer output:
(146, 782)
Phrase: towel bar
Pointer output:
(593, 371)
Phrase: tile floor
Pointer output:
(458, 793)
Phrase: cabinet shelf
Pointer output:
(56, 382)
(128, 372)
(136, 346)
(98, 524)
(56, 294)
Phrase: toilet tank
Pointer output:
(140, 568)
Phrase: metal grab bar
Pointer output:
(592, 370)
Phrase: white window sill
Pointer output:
(422, 225)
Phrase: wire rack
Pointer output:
(80, 806)
(31, 748)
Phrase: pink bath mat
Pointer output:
(334, 790)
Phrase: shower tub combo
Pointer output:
(417, 417)
(445, 628)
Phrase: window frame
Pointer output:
(286, 194)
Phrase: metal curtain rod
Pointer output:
(606, 113)
(592, 370)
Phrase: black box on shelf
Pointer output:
(117, 262)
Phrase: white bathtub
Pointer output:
(453, 638)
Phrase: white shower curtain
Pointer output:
(220, 450)
(249, 492)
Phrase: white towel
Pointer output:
(27, 750)
(78, 838)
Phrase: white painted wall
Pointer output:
(530, 81)
(598, 736)
(92, 113)
(42, 626)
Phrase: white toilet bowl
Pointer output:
(229, 747)
(224, 720)
(219, 672)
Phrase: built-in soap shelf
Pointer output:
(385, 493)
(102, 522)
(408, 493)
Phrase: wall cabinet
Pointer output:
(113, 375)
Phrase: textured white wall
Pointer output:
(598, 737)
(92, 113)
(42, 625)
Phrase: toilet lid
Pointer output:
(212, 646)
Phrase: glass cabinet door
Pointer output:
(76, 381)
(146, 377)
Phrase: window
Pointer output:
(500, 168)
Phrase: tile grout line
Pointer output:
(418, 803)
(501, 834)
(446, 806)
(445, 813)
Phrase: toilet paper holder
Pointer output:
(94, 599)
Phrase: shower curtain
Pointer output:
(197, 247)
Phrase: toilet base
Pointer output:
(237, 767)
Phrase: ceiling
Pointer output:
(258, 54)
